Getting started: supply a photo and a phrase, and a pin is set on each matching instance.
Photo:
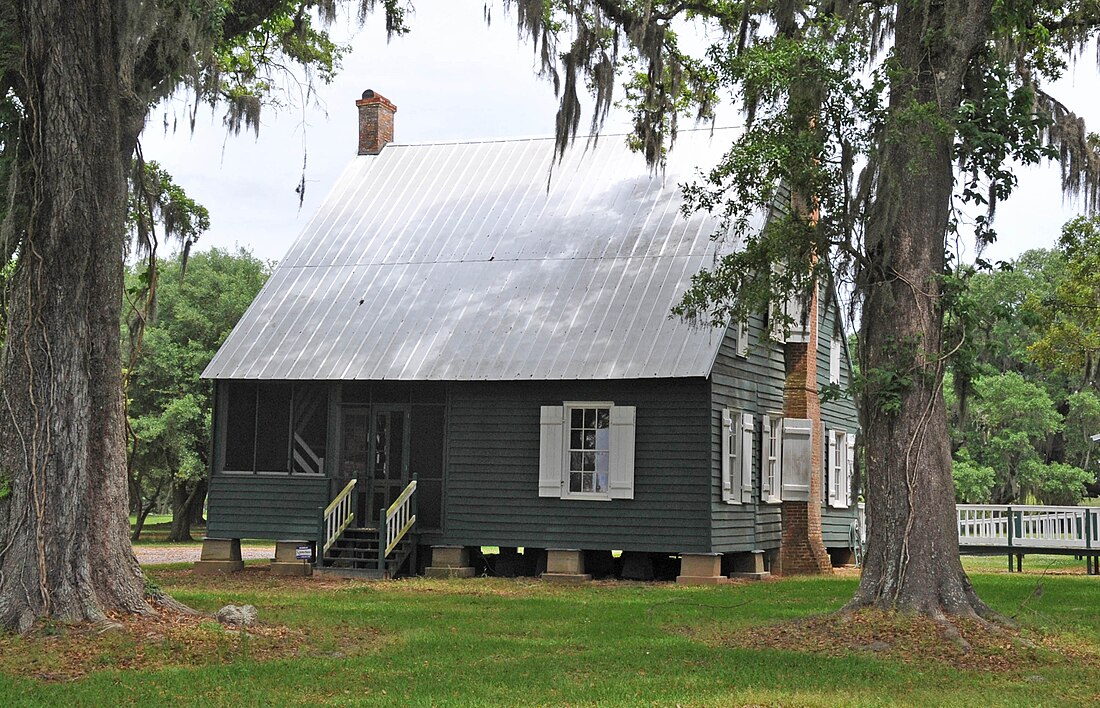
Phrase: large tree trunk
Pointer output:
(912, 560)
(64, 543)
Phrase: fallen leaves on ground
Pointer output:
(55, 651)
(906, 638)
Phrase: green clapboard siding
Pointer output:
(493, 458)
(750, 384)
(265, 506)
(839, 414)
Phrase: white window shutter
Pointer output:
(765, 440)
(620, 485)
(850, 464)
(727, 473)
(551, 451)
(746, 457)
(798, 435)
(832, 485)
(800, 331)
(742, 338)
(825, 464)
(836, 347)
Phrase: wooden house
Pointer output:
(465, 348)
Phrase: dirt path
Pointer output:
(157, 555)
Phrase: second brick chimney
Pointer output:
(375, 122)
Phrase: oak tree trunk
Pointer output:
(184, 495)
(912, 559)
(64, 534)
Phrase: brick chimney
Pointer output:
(375, 122)
(802, 550)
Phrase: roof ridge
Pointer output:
(534, 138)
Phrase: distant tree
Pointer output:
(170, 407)
(1058, 483)
(1082, 422)
(973, 482)
(1070, 342)
(1012, 417)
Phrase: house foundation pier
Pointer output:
(701, 569)
(292, 558)
(747, 566)
(565, 565)
(219, 555)
(450, 562)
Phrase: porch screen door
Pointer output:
(388, 459)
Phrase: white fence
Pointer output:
(1055, 527)
(1020, 526)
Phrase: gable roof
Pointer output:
(456, 262)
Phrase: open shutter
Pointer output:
(825, 480)
(798, 435)
(795, 309)
(746, 458)
(742, 338)
(551, 449)
(835, 352)
(620, 485)
(727, 450)
(850, 439)
(765, 432)
(832, 484)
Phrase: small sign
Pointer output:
(303, 553)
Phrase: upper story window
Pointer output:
(836, 348)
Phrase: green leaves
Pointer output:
(169, 406)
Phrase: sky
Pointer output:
(453, 77)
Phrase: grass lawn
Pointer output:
(522, 642)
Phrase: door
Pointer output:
(388, 457)
(375, 451)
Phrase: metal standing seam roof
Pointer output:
(469, 261)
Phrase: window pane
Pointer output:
(576, 418)
(273, 427)
(590, 440)
(586, 483)
(589, 461)
(574, 481)
(575, 440)
(601, 482)
(603, 418)
(601, 462)
(603, 436)
(240, 425)
(590, 417)
(575, 461)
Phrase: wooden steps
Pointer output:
(355, 555)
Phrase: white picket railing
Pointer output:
(400, 517)
(1062, 527)
(1024, 526)
(337, 516)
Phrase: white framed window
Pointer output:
(737, 431)
(742, 339)
(771, 458)
(841, 456)
(836, 348)
(586, 451)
